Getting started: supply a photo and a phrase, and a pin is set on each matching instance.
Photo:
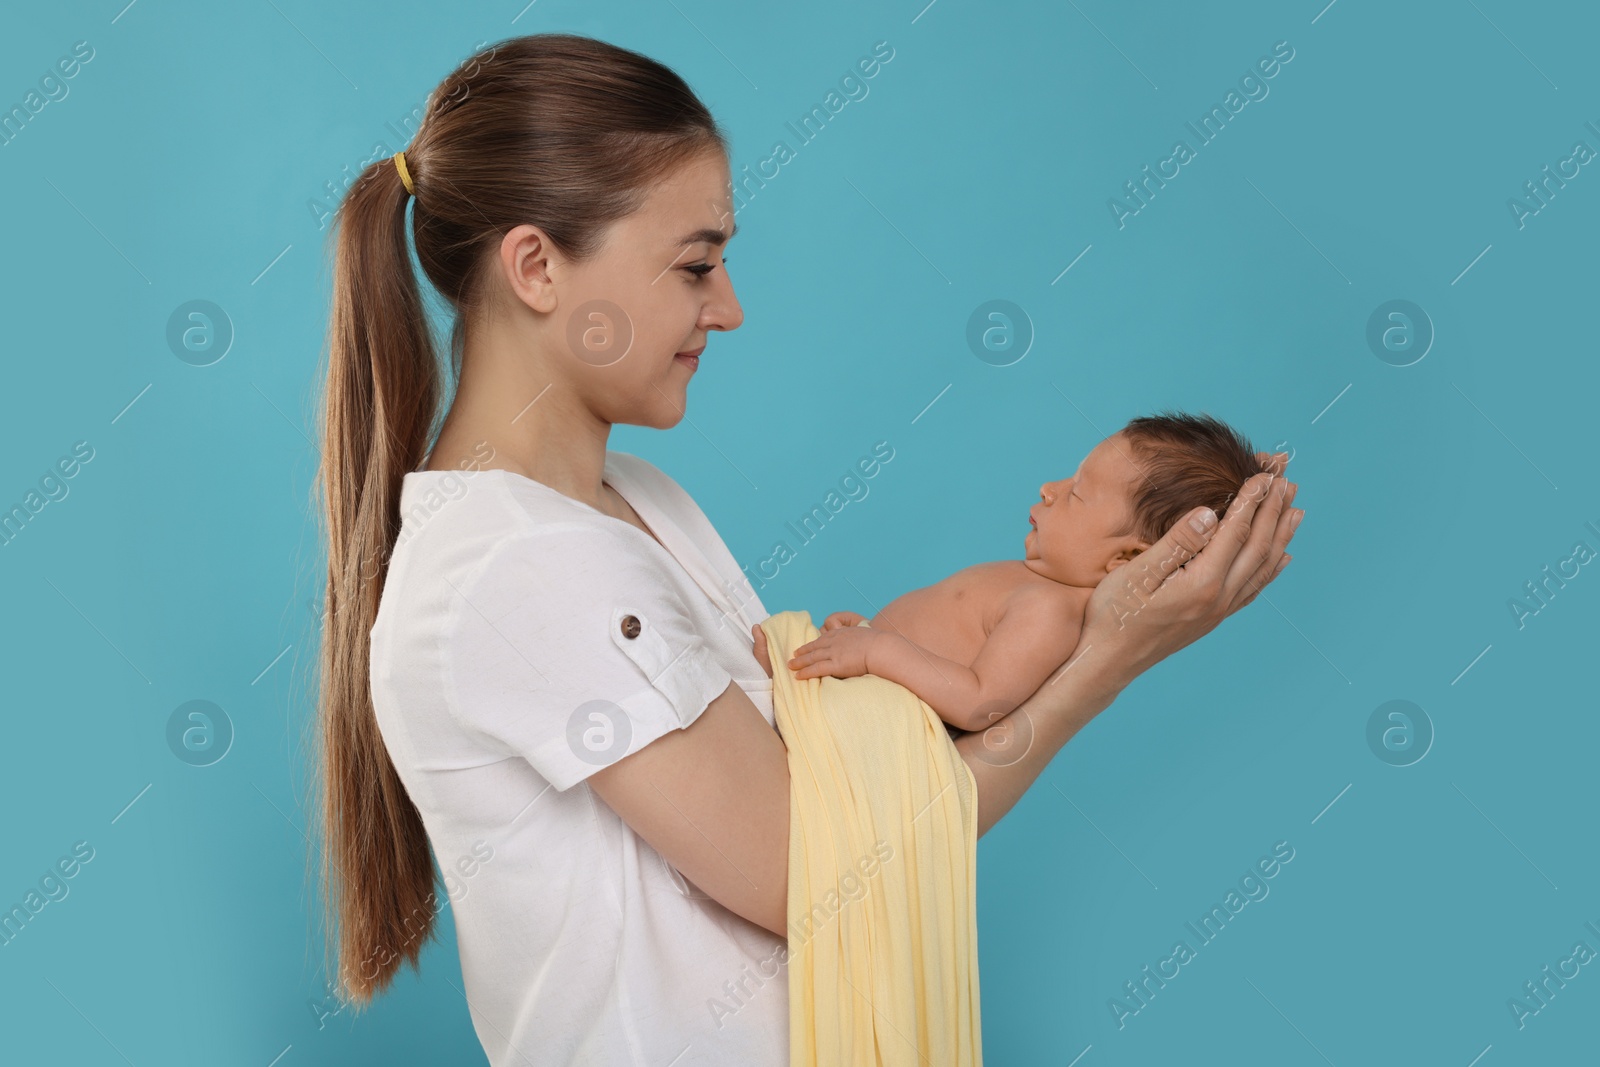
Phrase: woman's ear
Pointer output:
(527, 256)
(1129, 550)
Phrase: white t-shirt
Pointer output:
(525, 639)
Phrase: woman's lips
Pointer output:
(691, 357)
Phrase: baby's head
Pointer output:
(1130, 490)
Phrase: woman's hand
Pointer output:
(764, 657)
(1174, 593)
(1273, 462)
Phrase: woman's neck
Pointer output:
(545, 433)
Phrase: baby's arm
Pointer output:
(1033, 637)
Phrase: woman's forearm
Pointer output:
(1008, 757)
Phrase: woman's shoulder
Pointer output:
(480, 521)
(643, 473)
(660, 486)
(494, 492)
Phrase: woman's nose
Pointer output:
(723, 311)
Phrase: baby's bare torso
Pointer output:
(954, 616)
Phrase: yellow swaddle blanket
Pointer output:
(883, 859)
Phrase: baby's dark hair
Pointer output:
(1187, 461)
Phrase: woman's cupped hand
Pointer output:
(1198, 574)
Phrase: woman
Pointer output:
(539, 654)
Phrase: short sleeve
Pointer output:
(572, 647)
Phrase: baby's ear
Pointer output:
(1126, 554)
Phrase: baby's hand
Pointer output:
(839, 653)
(842, 618)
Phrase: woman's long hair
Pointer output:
(566, 133)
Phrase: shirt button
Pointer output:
(630, 626)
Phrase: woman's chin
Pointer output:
(668, 412)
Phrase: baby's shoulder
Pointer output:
(1037, 595)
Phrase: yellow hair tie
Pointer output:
(405, 175)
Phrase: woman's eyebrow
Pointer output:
(710, 236)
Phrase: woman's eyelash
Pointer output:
(700, 270)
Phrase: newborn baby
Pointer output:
(978, 643)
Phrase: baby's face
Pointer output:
(1083, 523)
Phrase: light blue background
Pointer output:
(185, 558)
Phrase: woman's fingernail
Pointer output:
(1294, 523)
(1203, 521)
